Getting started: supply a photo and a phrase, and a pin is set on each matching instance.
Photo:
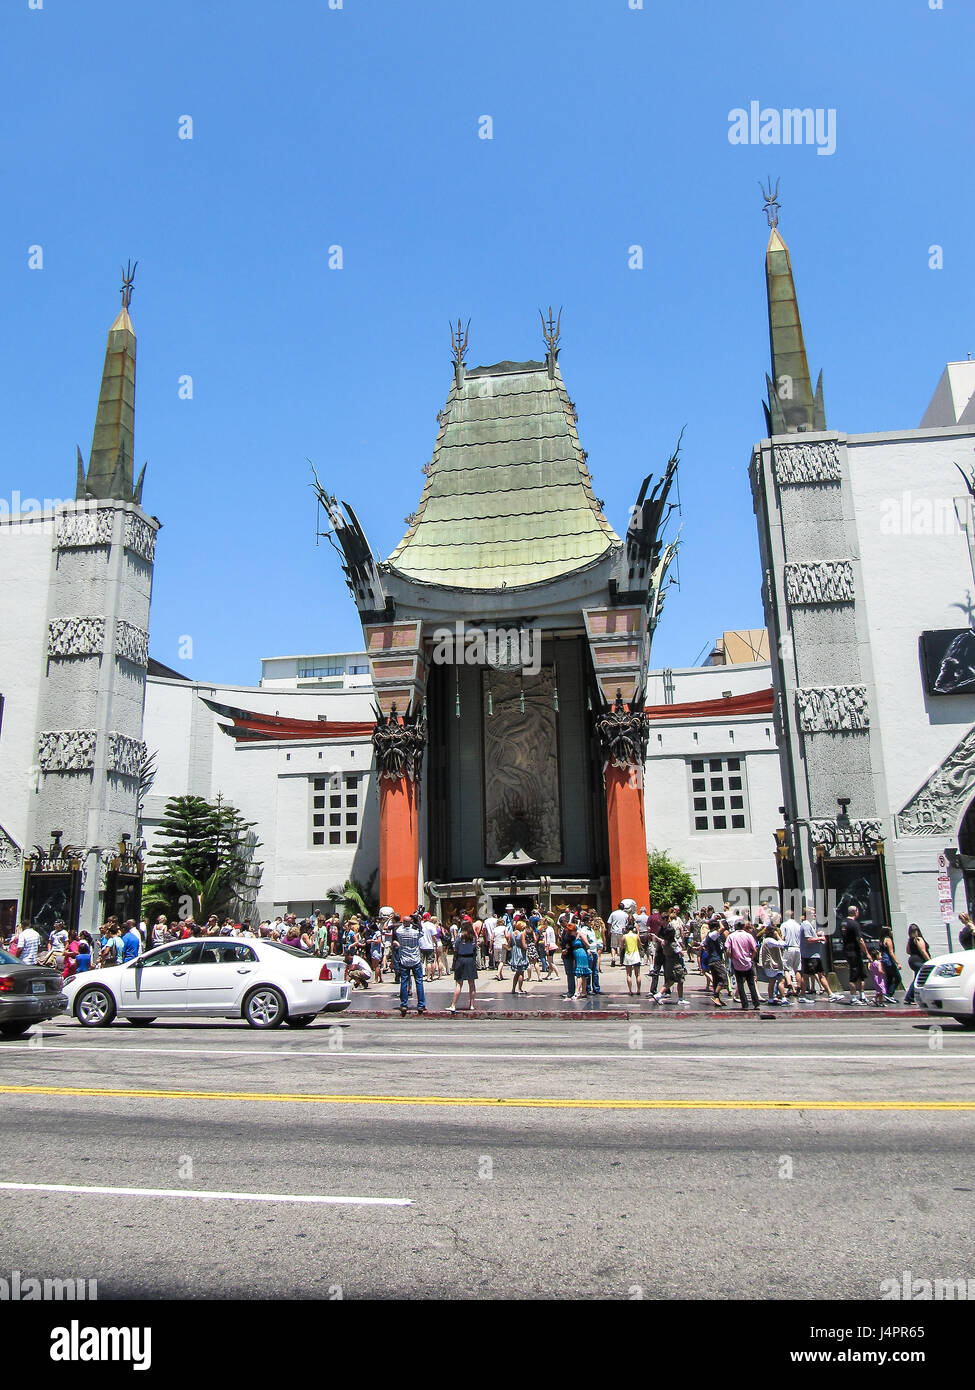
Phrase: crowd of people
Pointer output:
(731, 951)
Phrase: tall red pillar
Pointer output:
(399, 843)
(622, 731)
(628, 875)
(399, 742)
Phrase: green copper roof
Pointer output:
(508, 499)
(792, 404)
(110, 461)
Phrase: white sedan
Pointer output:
(945, 986)
(264, 982)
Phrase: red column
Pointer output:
(399, 844)
(628, 875)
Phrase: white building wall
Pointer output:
(268, 782)
(735, 864)
(26, 545)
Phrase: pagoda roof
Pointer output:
(508, 500)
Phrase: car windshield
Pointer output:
(289, 950)
(7, 959)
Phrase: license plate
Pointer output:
(37, 986)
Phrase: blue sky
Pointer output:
(358, 127)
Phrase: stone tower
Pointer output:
(90, 712)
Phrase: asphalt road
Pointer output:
(663, 1162)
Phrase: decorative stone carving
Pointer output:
(132, 643)
(831, 581)
(522, 806)
(10, 855)
(125, 755)
(826, 709)
(623, 733)
(399, 744)
(939, 805)
(140, 537)
(77, 530)
(836, 837)
(76, 637)
(808, 463)
(66, 750)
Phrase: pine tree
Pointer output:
(204, 849)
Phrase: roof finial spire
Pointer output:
(128, 278)
(458, 349)
(771, 197)
(551, 332)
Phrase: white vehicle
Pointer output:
(945, 986)
(262, 981)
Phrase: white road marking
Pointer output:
(647, 1054)
(205, 1195)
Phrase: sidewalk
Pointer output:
(543, 999)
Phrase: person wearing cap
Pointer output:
(410, 966)
(619, 923)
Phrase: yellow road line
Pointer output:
(498, 1102)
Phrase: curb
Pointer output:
(672, 1015)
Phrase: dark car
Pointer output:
(28, 994)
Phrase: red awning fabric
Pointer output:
(754, 702)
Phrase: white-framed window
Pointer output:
(336, 808)
(719, 794)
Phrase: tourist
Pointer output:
(812, 943)
(485, 937)
(499, 946)
(112, 948)
(742, 949)
(357, 970)
(410, 964)
(771, 958)
(580, 965)
(551, 944)
(879, 977)
(917, 953)
(376, 948)
(672, 960)
(567, 942)
(855, 953)
(966, 935)
(631, 958)
(465, 965)
(131, 943)
(428, 945)
(619, 922)
(518, 959)
(595, 949)
(892, 969)
(532, 948)
(28, 944)
(713, 960)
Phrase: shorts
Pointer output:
(857, 969)
(631, 958)
(719, 975)
(674, 970)
(812, 965)
(426, 955)
(793, 959)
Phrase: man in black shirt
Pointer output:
(856, 954)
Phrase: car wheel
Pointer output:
(300, 1020)
(141, 1022)
(14, 1030)
(265, 1007)
(966, 1020)
(94, 1007)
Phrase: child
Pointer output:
(879, 982)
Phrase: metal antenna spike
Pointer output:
(128, 277)
(771, 197)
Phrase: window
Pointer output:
(342, 823)
(717, 794)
